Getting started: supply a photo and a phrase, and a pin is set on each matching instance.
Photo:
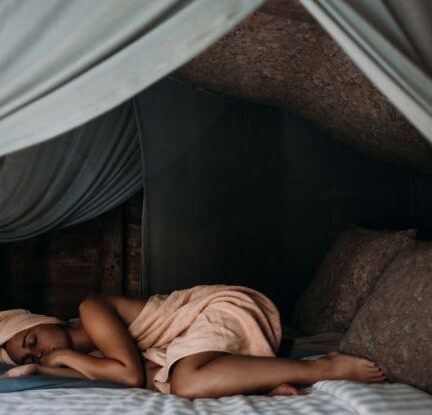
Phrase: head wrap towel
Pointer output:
(14, 321)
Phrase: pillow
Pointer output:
(48, 382)
(394, 326)
(346, 276)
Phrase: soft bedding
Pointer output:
(325, 398)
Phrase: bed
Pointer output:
(325, 397)
(47, 395)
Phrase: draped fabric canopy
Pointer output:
(71, 179)
(62, 63)
(390, 40)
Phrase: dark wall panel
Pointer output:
(240, 193)
(212, 171)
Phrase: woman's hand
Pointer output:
(24, 370)
(54, 359)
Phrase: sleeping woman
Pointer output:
(204, 342)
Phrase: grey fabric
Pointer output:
(78, 176)
(62, 63)
(390, 40)
(65, 62)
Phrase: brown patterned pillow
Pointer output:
(394, 326)
(346, 276)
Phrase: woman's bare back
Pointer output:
(128, 310)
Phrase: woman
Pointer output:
(203, 342)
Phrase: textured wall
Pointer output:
(52, 273)
(281, 56)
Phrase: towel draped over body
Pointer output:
(224, 318)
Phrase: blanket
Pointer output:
(325, 398)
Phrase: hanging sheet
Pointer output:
(65, 62)
(62, 63)
(390, 41)
(76, 177)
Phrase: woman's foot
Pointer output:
(345, 367)
(287, 390)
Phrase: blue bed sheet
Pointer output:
(48, 382)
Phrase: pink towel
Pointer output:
(232, 319)
(14, 321)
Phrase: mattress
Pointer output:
(325, 398)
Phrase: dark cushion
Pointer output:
(394, 326)
(346, 276)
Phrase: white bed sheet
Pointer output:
(325, 398)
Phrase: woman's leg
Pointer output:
(215, 374)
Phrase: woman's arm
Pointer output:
(63, 372)
(121, 362)
(36, 369)
(91, 367)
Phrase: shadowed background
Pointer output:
(237, 193)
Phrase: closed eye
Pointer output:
(31, 342)
(28, 359)
(23, 345)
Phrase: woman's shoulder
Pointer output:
(127, 308)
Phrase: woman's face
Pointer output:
(28, 346)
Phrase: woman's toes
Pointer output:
(366, 362)
(377, 373)
(380, 378)
(377, 366)
(287, 390)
